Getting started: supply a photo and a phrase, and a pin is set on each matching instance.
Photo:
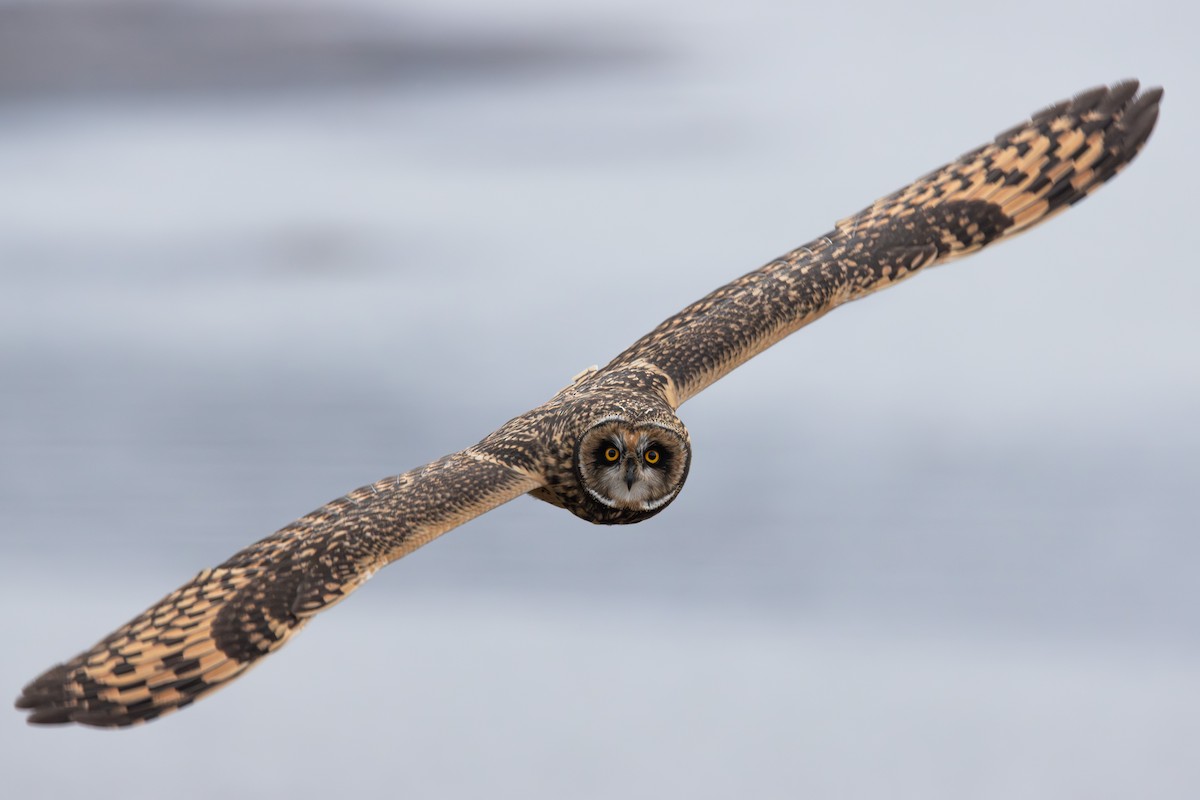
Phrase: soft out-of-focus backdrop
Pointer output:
(944, 543)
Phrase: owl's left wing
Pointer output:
(1026, 175)
(213, 628)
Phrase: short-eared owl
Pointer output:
(609, 447)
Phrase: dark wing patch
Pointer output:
(218, 625)
(1026, 175)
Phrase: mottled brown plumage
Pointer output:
(620, 418)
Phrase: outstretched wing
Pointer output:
(1026, 175)
(214, 628)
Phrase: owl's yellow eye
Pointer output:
(651, 456)
(612, 454)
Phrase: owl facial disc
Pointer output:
(635, 466)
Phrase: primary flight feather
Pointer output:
(609, 447)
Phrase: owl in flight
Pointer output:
(609, 447)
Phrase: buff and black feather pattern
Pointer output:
(1025, 175)
(224, 620)
(219, 624)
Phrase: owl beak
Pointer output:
(630, 473)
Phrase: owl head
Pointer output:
(632, 469)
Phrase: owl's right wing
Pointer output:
(213, 628)
(1024, 176)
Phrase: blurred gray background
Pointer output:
(943, 544)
